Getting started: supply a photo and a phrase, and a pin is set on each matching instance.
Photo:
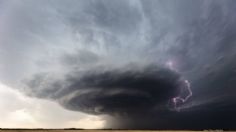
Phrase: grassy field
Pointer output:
(63, 130)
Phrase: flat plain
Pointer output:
(78, 130)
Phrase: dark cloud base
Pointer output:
(110, 91)
(136, 98)
(129, 94)
(203, 119)
(122, 91)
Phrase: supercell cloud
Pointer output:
(148, 64)
(114, 92)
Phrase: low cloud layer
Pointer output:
(114, 92)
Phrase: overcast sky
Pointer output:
(103, 63)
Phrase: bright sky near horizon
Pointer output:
(19, 111)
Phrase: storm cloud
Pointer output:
(115, 92)
(127, 59)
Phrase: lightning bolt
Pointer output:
(179, 99)
(185, 87)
